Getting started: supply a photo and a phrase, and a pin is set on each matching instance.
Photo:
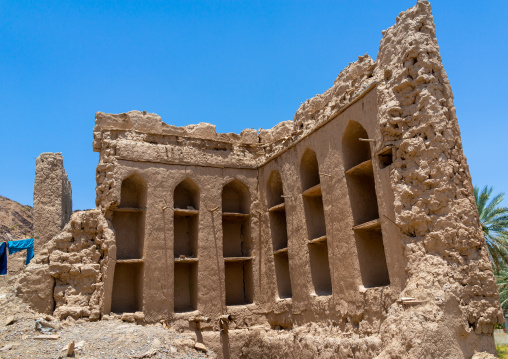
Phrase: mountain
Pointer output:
(15, 220)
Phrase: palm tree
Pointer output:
(494, 221)
(502, 287)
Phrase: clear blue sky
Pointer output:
(236, 64)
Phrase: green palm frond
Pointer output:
(494, 221)
(492, 206)
(502, 287)
(481, 198)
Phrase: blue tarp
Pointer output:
(3, 258)
(17, 246)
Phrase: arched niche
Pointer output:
(186, 204)
(359, 174)
(355, 151)
(186, 195)
(309, 169)
(129, 218)
(235, 198)
(316, 226)
(312, 196)
(237, 243)
(279, 235)
(360, 180)
(129, 222)
(133, 192)
(186, 229)
(274, 190)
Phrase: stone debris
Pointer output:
(128, 317)
(69, 349)
(201, 347)
(6, 347)
(149, 354)
(46, 327)
(47, 337)
(184, 342)
(101, 339)
(9, 320)
(139, 317)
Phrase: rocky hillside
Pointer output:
(15, 220)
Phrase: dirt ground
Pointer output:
(112, 338)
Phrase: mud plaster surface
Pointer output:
(441, 300)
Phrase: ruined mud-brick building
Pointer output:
(349, 232)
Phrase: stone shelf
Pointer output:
(128, 209)
(237, 259)
(314, 191)
(185, 212)
(374, 224)
(364, 168)
(129, 261)
(235, 216)
(280, 251)
(186, 260)
(278, 207)
(321, 239)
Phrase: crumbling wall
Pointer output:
(349, 84)
(66, 277)
(52, 197)
(448, 269)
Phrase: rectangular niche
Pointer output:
(371, 253)
(282, 274)
(235, 236)
(127, 288)
(186, 234)
(320, 268)
(362, 193)
(315, 215)
(186, 277)
(238, 278)
(278, 228)
(129, 233)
